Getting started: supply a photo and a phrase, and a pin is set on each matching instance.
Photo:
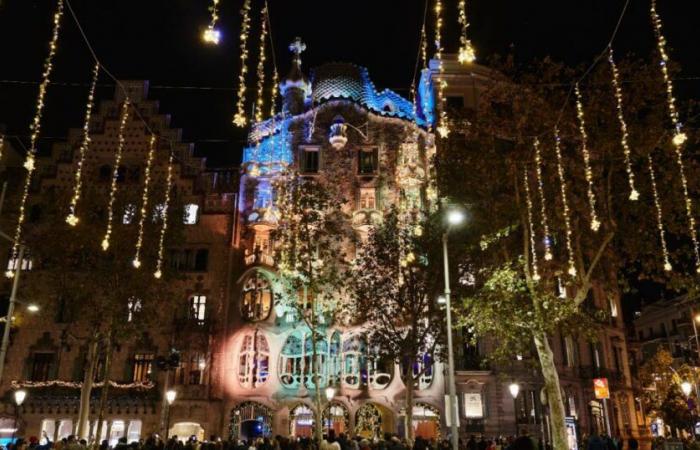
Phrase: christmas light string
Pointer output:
(659, 215)
(543, 202)
(2, 144)
(259, 101)
(211, 34)
(531, 226)
(123, 117)
(72, 218)
(443, 127)
(30, 162)
(679, 136)
(239, 118)
(164, 225)
(466, 53)
(634, 194)
(565, 203)
(144, 200)
(595, 223)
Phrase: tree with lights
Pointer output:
(99, 295)
(560, 220)
(394, 292)
(311, 237)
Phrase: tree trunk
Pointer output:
(105, 390)
(409, 382)
(316, 376)
(83, 430)
(553, 389)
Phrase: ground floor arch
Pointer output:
(184, 430)
(426, 421)
(301, 421)
(372, 420)
(336, 419)
(250, 420)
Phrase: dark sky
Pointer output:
(159, 40)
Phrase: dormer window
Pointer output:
(368, 161)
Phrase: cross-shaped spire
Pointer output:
(296, 47)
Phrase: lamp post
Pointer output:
(20, 395)
(454, 218)
(170, 397)
(514, 389)
(330, 395)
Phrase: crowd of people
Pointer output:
(340, 442)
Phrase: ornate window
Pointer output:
(424, 368)
(292, 361)
(256, 301)
(379, 371)
(335, 359)
(321, 360)
(296, 361)
(336, 418)
(254, 361)
(142, 367)
(354, 350)
(301, 420)
(368, 198)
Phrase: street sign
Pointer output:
(600, 387)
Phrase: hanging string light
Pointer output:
(679, 136)
(30, 163)
(259, 101)
(634, 194)
(211, 34)
(531, 226)
(443, 126)
(72, 219)
(273, 94)
(565, 203)
(595, 223)
(659, 215)
(239, 118)
(424, 46)
(2, 144)
(144, 200)
(164, 225)
(543, 205)
(466, 54)
(124, 116)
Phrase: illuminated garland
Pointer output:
(273, 94)
(659, 215)
(261, 66)
(679, 136)
(565, 203)
(543, 206)
(144, 201)
(466, 50)
(76, 384)
(124, 116)
(595, 223)
(30, 163)
(424, 46)
(634, 194)
(2, 144)
(72, 219)
(164, 226)
(211, 35)
(239, 118)
(443, 126)
(531, 226)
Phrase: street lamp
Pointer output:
(514, 389)
(170, 397)
(455, 216)
(330, 393)
(20, 395)
(687, 388)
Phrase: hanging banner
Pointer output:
(600, 387)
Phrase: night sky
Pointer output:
(159, 40)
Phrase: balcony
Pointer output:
(259, 257)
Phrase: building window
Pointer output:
(42, 365)
(354, 350)
(368, 161)
(189, 260)
(569, 352)
(309, 160)
(191, 214)
(613, 307)
(292, 361)
(368, 199)
(379, 371)
(473, 405)
(191, 369)
(254, 361)
(158, 213)
(142, 367)
(263, 196)
(133, 307)
(129, 214)
(423, 368)
(12, 262)
(198, 308)
(256, 301)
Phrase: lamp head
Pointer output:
(170, 396)
(33, 307)
(455, 216)
(20, 395)
(686, 387)
(514, 389)
(330, 393)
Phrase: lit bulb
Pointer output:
(548, 255)
(136, 263)
(679, 139)
(239, 120)
(443, 131)
(667, 267)
(466, 54)
(158, 274)
(10, 273)
(211, 35)
(105, 244)
(595, 224)
(418, 231)
(634, 195)
(29, 163)
(72, 220)
(536, 277)
(572, 271)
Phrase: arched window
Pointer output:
(321, 360)
(424, 368)
(353, 362)
(379, 370)
(335, 360)
(256, 299)
(335, 418)
(291, 361)
(254, 361)
(301, 420)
